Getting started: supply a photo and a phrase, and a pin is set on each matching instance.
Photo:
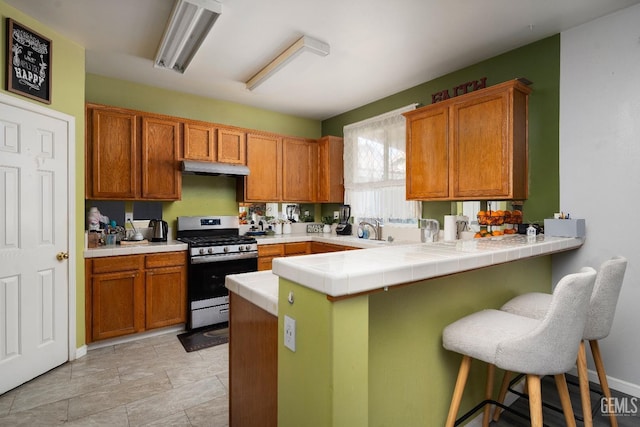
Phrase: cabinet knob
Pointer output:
(61, 256)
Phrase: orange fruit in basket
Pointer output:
(497, 233)
(517, 213)
(496, 213)
(482, 213)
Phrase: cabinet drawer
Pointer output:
(271, 250)
(297, 248)
(117, 263)
(165, 259)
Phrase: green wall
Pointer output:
(67, 96)
(121, 93)
(538, 62)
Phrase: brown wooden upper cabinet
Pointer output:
(232, 146)
(264, 160)
(131, 155)
(330, 170)
(208, 142)
(281, 169)
(299, 170)
(471, 147)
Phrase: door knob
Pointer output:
(62, 256)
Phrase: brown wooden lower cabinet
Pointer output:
(266, 253)
(253, 365)
(133, 293)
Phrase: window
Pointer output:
(375, 170)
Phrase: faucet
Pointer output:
(376, 228)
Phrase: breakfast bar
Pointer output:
(368, 324)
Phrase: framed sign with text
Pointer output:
(28, 62)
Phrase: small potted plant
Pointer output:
(327, 221)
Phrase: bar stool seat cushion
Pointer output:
(493, 336)
(533, 305)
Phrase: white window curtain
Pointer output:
(375, 170)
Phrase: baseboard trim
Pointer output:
(614, 383)
(136, 337)
(81, 351)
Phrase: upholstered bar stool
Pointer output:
(602, 307)
(536, 347)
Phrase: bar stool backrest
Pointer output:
(604, 299)
(552, 347)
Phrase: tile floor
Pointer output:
(148, 382)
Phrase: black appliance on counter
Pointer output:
(344, 226)
(215, 250)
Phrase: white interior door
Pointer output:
(34, 213)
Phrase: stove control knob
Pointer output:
(226, 248)
(248, 247)
(210, 250)
(240, 248)
(201, 251)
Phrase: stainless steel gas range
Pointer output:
(215, 250)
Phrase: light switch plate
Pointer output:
(290, 333)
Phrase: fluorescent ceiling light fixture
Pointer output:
(303, 44)
(188, 26)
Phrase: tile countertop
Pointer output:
(148, 248)
(345, 273)
(349, 272)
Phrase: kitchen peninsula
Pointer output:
(368, 325)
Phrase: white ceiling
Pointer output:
(378, 47)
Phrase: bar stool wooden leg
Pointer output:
(583, 378)
(535, 400)
(503, 394)
(602, 376)
(463, 373)
(488, 392)
(563, 391)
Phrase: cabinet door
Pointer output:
(232, 146)
(428, 154)
(112, 164)
(166, 297)
(299, 170)
(199, 142)
(330, 170)
(266, 254)
(297, 248)
(161, 177)
(118, 304)
(264, 159)
(481, 150)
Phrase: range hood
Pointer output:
(195, 167)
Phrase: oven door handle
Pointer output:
(221, 258)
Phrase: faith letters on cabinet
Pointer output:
(28, 62)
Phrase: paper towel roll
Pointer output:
(450, 228)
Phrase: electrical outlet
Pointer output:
(290, 333)
(128, 216)
(336, 215)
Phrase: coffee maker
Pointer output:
(344, 227)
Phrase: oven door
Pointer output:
(207, 280)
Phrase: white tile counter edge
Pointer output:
(260, 288)
(348, 272)
(351, 272)
(149, 248)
